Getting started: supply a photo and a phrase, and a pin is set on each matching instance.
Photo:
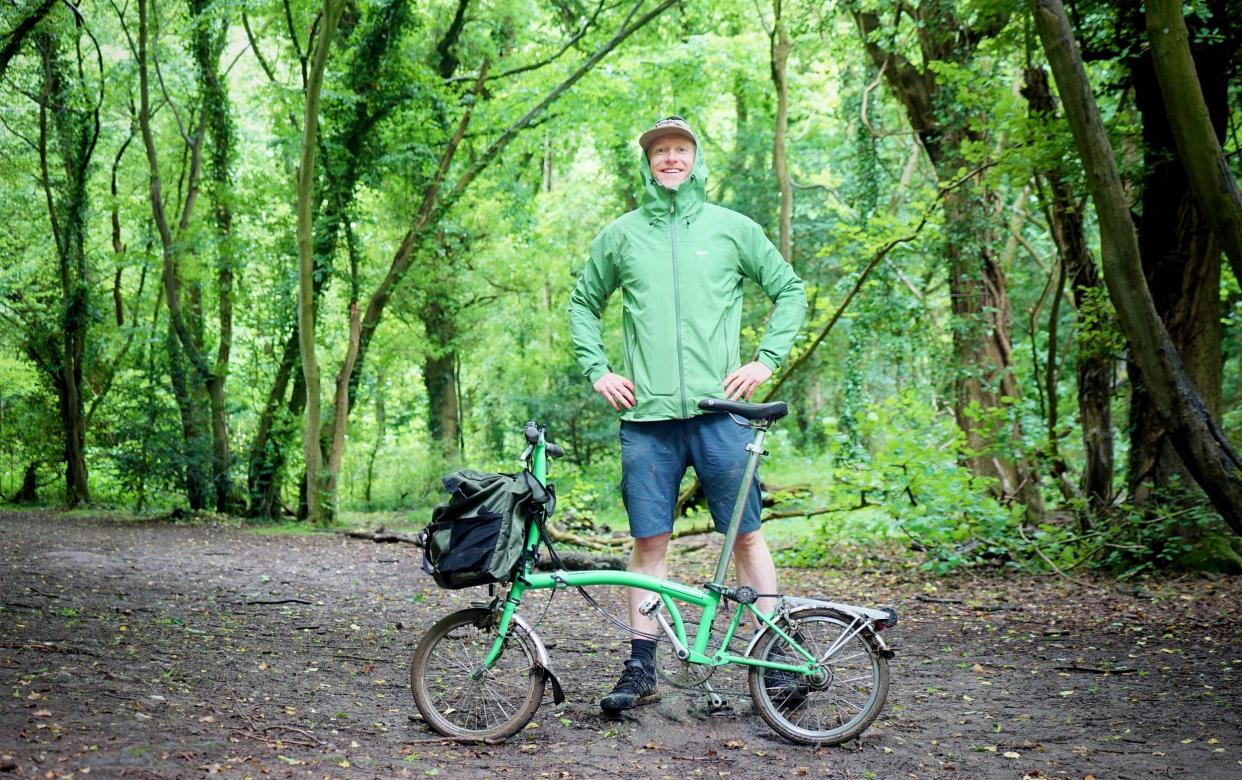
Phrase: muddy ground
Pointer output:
(159, 651)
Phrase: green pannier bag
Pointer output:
(478, 536)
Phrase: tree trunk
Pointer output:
(985, 384)
(381, 425)
(75, 130)
(440, 376)
(28, 493)
(207, 42)
(69, 403)
(780, 47)
(1181, 260)
(350, 157)
(1199, 441)
(306, 259)
(196, 384)
(340, 410)
(267, 450)
(984, 387)
(195, 465)
(1095, 364)
(1196, 101)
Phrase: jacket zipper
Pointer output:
(681, 370)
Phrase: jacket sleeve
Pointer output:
(763, 263)
(597, 281)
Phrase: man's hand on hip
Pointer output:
(616, 389)
(743, 382)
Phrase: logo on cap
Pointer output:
(674, 124)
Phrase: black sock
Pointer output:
(643, 650)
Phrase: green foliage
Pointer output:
(1177, 529)
(913, 467)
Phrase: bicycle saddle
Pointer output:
(770, 411)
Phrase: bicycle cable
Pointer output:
(546, 607)
(590, 600)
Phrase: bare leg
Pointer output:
(755, 567)
(648, 557)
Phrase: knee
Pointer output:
(652, 546)
(649, 553)
(751, 540)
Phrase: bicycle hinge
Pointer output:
(651, 607)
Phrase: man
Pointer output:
(680, 262)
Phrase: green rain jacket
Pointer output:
(680, 262)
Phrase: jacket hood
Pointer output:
(690, 194)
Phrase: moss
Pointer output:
(1214, 553)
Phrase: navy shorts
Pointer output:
(655, 456)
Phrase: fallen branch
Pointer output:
(304, 733)
(1094, 670)
(274, 742)
(601, 543)
(934, 600)
(571, 561)
(380, 536)
(680, 533)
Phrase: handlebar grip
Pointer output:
(532, 433)
(554, 450)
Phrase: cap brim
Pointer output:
(646, 139)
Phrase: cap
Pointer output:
(673, 125)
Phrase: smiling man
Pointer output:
(680, 263)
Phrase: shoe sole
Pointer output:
(640, 701)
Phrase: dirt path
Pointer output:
(137, 650)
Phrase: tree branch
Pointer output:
(254, 47)
(586, 25)
(880, 254)
(19, 33)
(448, 60)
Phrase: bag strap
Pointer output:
(544, 496)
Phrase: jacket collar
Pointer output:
(689, 196)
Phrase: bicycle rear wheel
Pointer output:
(456, 696)
(834, 706)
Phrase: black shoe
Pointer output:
(786, 689)
(636, 686)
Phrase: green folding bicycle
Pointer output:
(818, 670)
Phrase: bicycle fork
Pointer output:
(509, 621)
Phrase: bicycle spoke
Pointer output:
(853, 687)
(457, 696)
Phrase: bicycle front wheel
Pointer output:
(839, 702)
(456, 696)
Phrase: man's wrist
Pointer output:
(596, 373)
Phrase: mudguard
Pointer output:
(541, 659)
(888, 616)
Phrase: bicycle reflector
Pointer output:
(887, 622)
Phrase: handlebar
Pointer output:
(533, 432)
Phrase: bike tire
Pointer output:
(842, 705)
(496, 705)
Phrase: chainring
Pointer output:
(678, 673)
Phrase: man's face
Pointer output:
(671, 158)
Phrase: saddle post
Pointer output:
(755, 448)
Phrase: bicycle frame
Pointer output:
(691, 650)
